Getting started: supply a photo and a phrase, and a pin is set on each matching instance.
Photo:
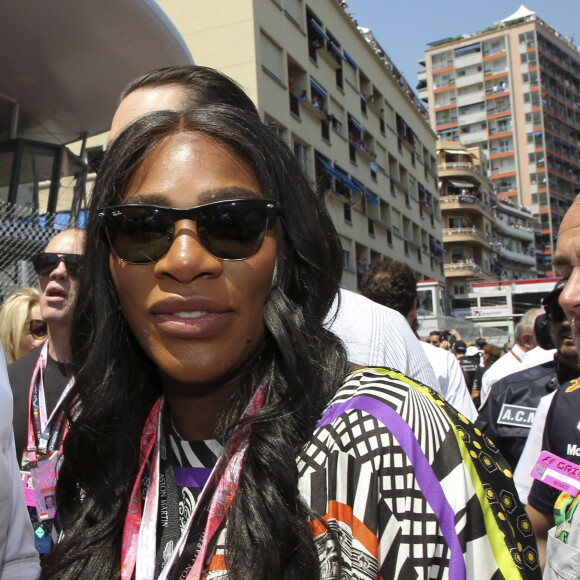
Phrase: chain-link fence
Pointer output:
(23, 233)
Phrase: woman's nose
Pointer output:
(187, 257)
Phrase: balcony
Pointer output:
(514, 230)
(474, 137)
(466, 80)
(465, 269)
(465, 235)
(470, 98)
(465, 203)
(470, 59)
(472, 117)
(459, 169)
(519, 257)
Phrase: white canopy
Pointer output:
(521, 12)
(65, 62)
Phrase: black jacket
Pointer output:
(510, 408)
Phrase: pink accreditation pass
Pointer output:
(557, 472)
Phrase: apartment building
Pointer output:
(329, 88)
(514, 90)
(484, 237)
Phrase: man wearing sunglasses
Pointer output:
(41, 379)
(510, 409)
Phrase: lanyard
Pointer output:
(41, 427)
(564, 510)
(138, 552)
(518, 358)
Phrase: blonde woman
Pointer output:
(21, 325)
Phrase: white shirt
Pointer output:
(537, 356)
(375, 335)
(451, 379)
(18, 556)
(522, 478)
(509, 363)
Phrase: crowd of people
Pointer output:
(195, 397)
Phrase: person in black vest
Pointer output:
(509, 411)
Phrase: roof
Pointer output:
(66, 62)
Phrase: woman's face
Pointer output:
(27, 341)
(200, 319)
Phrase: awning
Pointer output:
(455, 152)
(368, 194)
(521, 12)
(338, 174)
(422, 190)
(336, 50)
(468, 48)
(66, 62)
(461, 183)
(346, 180)
(440, 41)
(317, 28)
(328, 167)
(439, 248)
(356, 124)
(443, 131)
(319, 90)
(350, 59)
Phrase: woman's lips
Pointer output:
(191, 318)
(194, 324)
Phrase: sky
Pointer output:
(404, 27)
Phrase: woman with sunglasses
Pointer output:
(221, 431)
(21, 326)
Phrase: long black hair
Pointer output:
(117, 384)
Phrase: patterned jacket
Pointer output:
(410, 488)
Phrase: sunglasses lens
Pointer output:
(233, 231)
(556, 314)
(229, 230)
(38, 329)
(139, 235)
(72, 262)
(44, 264)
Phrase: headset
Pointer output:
(542, 332)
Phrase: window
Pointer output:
(346, 259)
(301, 154)
(347, 213)
(294, 10)
(325, 129)
(272, 57)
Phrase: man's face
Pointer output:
(146, 100)
(567, 264)
(58, 289)
(434, 339)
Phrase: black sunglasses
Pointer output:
(228, 230)
(554, 312)
(45, 262)
(37, 329)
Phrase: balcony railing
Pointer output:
(469, 265)
(469, 231)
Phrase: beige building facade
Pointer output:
(359, 135)
(514, 90)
